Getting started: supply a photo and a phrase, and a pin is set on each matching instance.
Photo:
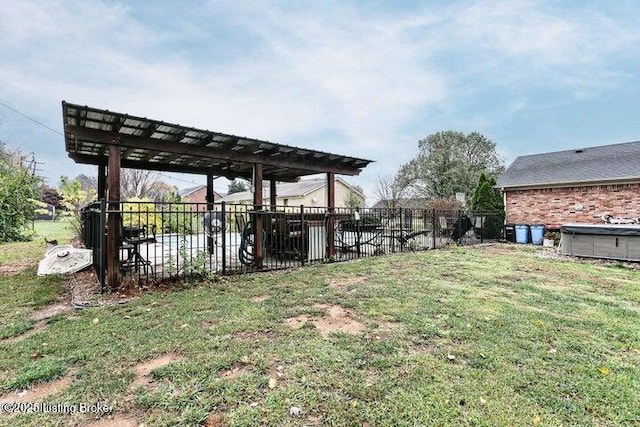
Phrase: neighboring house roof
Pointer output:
(190, 190)
(287, 190)
(607, 163)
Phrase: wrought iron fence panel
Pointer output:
(164, 242)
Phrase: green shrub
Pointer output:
(18, 188)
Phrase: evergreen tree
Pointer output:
(238, 186)
(488, 200)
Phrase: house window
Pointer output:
(286, 202)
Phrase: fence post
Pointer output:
(303, 237)
(102, 262)
(433, 228)
(401, 228)
(224, 237)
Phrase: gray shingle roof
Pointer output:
(617, 162)
(185, 192)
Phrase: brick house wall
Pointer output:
(572, 204)
(200, 196)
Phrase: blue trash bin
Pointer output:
(537, 233)
(522, 233)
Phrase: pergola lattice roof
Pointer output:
(157, 145)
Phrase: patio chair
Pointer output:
(132, 237)
(287, 238)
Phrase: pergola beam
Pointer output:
(312, 165)
(157, 166)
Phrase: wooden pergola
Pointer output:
(113, 140)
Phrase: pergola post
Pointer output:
(257, 207)
(210, 205)
(113, 219)
(102, 181)
(272, 194)
(331, 204)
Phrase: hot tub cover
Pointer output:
(602, 229)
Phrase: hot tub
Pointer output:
(611, 241)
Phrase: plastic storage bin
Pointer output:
(522, 233)
(537, 233)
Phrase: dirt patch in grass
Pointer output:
(117, 420)
(267, 334)
(298, 321)
(346, 284)
(215, 420)
(39, 391)
(144, 369)
(51, 310)
(85, 290)
(84, 286)
(334, 319)
(38, 327)
(417, 348)
(337, 319)
(235, 372)
(260, 298)
(14, 268)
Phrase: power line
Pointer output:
(39, 123)
(182, 180)
(177, 179)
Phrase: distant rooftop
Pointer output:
(185, 192)
(591, 165)
(284, 189)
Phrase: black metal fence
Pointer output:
(179, 241)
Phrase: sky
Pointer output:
(361, 78)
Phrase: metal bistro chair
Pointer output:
(132, 238)
(287, 239)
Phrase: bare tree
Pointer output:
(389, 191)
(162, 192)
(88, 182)
(136, 183)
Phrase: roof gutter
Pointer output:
(585, 183)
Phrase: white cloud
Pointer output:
(330, 75)
(534, 44)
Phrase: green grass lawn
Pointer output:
(492, 335)
(60, 230)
